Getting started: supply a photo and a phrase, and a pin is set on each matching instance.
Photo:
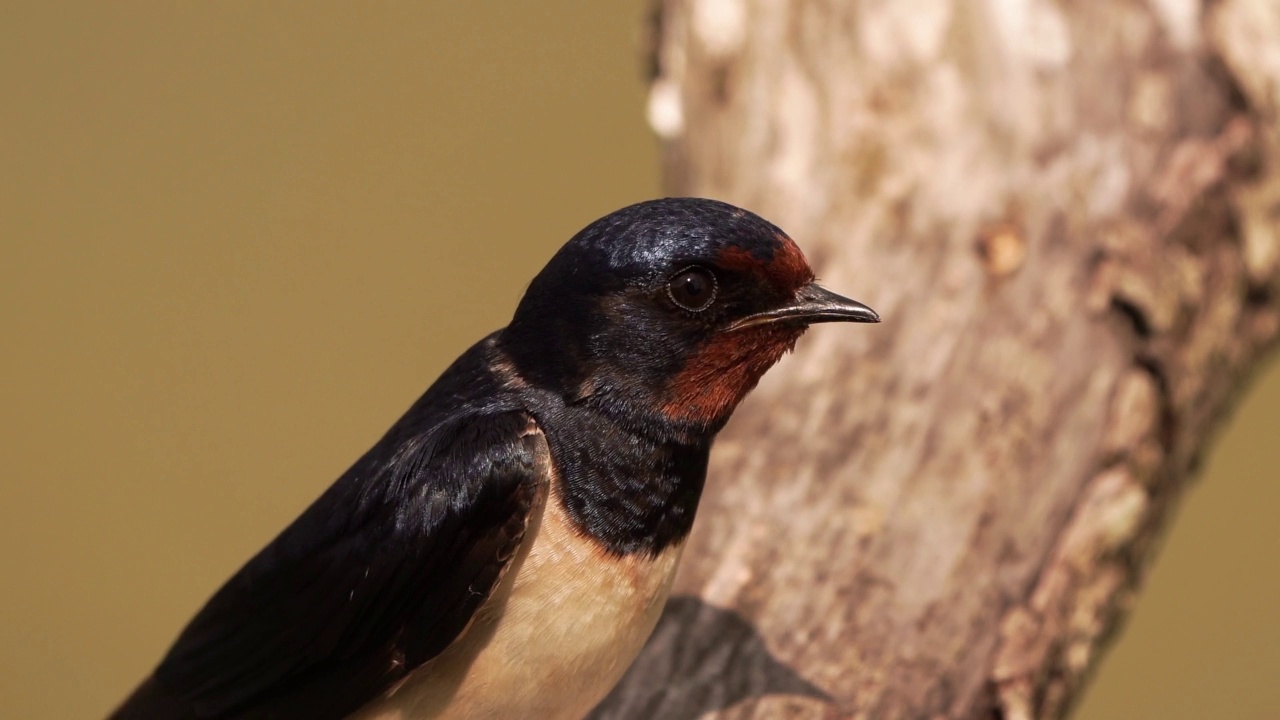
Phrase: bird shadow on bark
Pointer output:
(709, 659)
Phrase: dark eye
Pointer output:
(692, 289)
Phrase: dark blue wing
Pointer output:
(379, 575)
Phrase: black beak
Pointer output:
(813, 304)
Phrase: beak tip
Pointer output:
(865, 315)
(843, 307)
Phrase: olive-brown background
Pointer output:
(237, 240)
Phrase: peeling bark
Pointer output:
(1068, 215)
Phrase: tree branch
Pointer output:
(1068, 216)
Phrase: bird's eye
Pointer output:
(692, 289)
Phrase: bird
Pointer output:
(506, 548)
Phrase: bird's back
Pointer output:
(378, 576)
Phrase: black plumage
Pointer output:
(378, 575)
(604, 394)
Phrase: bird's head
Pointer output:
(669, 312)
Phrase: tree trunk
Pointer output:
(1068, 215)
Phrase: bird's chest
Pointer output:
(559, 631)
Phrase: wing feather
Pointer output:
(378, 576)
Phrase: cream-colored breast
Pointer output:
(563, 625)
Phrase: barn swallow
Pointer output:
(506, 548)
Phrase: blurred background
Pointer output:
(236, 241)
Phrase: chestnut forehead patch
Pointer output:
(781, 262)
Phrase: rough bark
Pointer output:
(1068, 215)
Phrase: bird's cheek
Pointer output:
(717, 375)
